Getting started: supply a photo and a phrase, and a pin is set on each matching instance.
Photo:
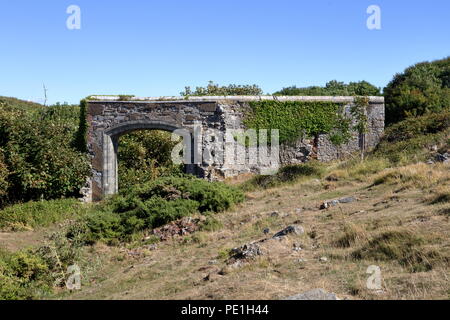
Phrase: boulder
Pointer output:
(288, 230)
(245, 252)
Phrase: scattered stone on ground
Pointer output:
(266, 230)
(323, 259)
(314, 294)
(246, 252)
(290, 229)
(179, 227)
(274, 214)
(440, 157)
(332, 203)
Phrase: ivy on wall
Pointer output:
(80, 141)
(296, 119)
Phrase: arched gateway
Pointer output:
(200, 121)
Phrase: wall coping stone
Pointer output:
(175, 99)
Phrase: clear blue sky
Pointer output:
(153, 48)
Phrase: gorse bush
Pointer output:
(156, 203)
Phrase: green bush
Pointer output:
(144, 156)
(420, 89)
(36, 149)
(333, 88)
(23, 275)
(4, 184)
(157, 203)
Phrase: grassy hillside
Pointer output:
(397, 218)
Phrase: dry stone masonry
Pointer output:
(109, 118)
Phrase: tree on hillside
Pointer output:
(420, 89)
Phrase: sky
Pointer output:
(156, 48)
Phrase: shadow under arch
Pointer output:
(111, 137)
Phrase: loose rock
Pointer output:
(290, 229)
(315, 294)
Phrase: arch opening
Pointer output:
(111, 149)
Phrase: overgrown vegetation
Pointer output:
(23, 275)
(38, 160)
(420, 89)
(333, 88)
(156, 203)
(213, 89)
(144, 156)
(294, 119)
(412, 139)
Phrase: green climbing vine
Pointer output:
(358, 112)
(80, 141)
(295, 119)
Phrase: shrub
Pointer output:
(213, 89)
(36, 148)
(23, 275)
(144, 156)
(333, 88)
(4, 184)
(156, 203)
(420, 89)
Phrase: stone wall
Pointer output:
(215, 117)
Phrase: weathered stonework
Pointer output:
(108, 119)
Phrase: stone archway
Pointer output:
(110, 144)
(110, 117)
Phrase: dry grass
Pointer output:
(397, 224)
(400, 231)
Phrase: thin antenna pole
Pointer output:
(45, 94)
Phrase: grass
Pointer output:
(286, 175)
(30, 215)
